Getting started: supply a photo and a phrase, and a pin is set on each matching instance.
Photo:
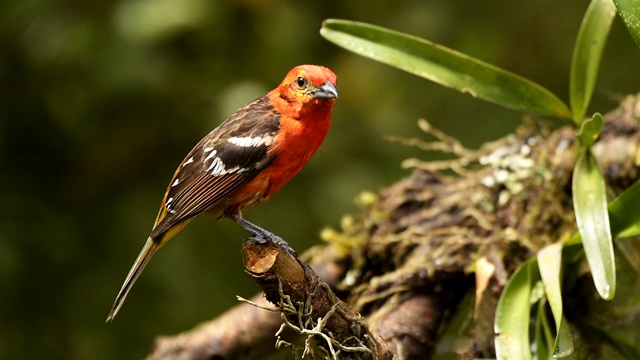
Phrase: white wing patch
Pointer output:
(188, 161)
(211, 155)
(168, 205)
(216, 165)
(249, 141)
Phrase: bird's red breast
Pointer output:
(254, 152)
(250, 155)
(304, 123)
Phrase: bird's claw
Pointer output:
(269, 237)
(262, 236)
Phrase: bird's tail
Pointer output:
(150, 247)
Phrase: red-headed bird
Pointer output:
(243, 161)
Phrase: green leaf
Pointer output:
(543, 333)
(625, 220)
(590, 207)
(630, 14)
(549, 262)
(630, 249)
(443, 66)
(457, 336)
(512, 314)
(623, 346)
(590, 130)
(587, 53)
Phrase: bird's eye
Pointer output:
(301, 82)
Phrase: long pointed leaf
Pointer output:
(587, 53)
(443, 66)
(630, 249)
(456, 337)
(590, 206)
(512, 314)
(549, 262)
(630, 14)
(625, 221)
(623, 346)
(543, 333)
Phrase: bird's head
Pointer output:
(309, 84)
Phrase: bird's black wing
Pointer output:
(221, 163)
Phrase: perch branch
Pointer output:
(405, 261)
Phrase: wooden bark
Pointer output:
(405, 262)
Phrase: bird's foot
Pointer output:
(262, 235)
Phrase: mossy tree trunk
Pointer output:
(450, 230)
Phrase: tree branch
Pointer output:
(404, 262)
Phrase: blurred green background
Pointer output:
(102, 99)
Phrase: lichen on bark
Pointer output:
(451, 231)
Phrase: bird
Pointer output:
(248, 157)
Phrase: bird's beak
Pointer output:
(326, 91)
